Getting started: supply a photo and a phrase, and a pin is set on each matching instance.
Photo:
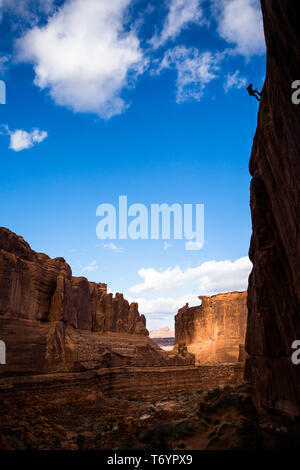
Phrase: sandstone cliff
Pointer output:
(53, 322)
(215, 330)
(274, 285)
(36, 287)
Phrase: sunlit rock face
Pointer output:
(274, 285)
(214, 331)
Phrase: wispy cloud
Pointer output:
(113, 247)
(195, 70)
(234, 81)
(93, 266)
(87, 52)
(181, 13)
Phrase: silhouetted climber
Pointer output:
(253, 92)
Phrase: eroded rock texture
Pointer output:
(36, 287)
(214, 331)
(52, 322)
(274, 285)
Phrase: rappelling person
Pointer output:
(254, 93)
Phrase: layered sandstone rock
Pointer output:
(52, 322)
(274, 285)
(215, 330)
(36, 287)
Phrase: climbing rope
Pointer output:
(251, 114)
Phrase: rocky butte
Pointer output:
(274, 285)
(214, 332)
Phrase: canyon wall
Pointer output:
(36, 287)
(214, 331)
(274, 284)
(52, 322)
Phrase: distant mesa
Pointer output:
(163, 332)
(164, 338)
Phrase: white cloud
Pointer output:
(234, 81)
(195, 70)
(88, 51)
(192, 246)
(209, 277)
(93, 266)
(113, 247)
(240, 24)
(164, 305)
(20, 139)
(181, 13)
(178, 287)
(84, 56)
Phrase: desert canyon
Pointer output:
(70, 341)
(82, 371)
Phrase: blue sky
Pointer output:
(144, 99)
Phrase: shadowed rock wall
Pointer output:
(274, 284)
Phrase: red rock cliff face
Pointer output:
(53, 322)
(214, 331)
(36, 287)
(274, 284)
